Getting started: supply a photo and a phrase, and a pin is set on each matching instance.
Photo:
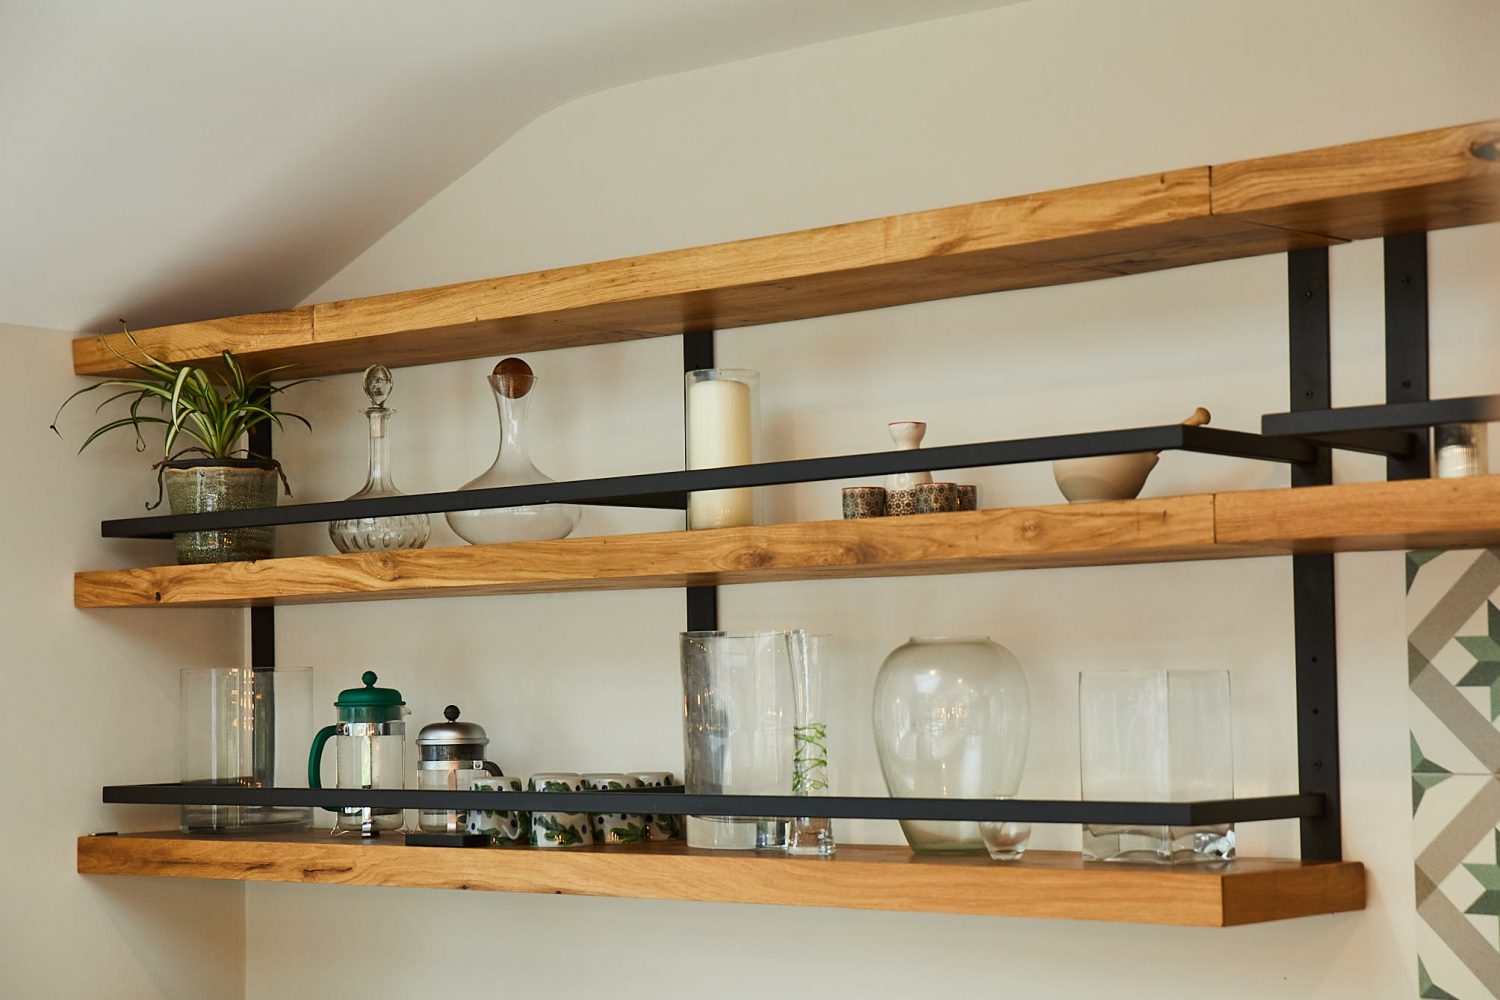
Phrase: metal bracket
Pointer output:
(1406, 358)
(702, 602)
(1313, 575)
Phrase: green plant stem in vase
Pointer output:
(810, 836)
(212, 410)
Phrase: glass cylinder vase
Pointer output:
(737, 731)
(513, 382)
(244, 728)
(1156, 736)
(809, 836)
(952, 720)
(723, 417)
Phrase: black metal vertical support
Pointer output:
(263, 658)
(1312, 575)
(1406, 340)
(262, 620)
(702, 602)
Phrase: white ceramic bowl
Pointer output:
(1105, 477)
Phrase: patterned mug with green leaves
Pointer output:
(615, 827)
(661, 826)
(550, 829)
(502, 826)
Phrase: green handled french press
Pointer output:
(369, 742)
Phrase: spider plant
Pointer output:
(215, 408)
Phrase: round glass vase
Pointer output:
(513, 382)
(952, 719)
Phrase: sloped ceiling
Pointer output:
(168, 160)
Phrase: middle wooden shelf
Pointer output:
(1413, 514)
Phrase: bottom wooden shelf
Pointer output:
(1045, 884)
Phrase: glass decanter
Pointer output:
(513, 381)
(369, 534)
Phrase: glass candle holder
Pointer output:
(1461, 450)
(723, 417)
(1156, 736)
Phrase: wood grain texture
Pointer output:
(1362, 517)
(960, 542)
(1431, 513)
(870, 878)
(1408, 183)
(1426, 180)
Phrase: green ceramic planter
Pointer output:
(197, 486)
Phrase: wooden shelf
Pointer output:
(1434, 513)
(866, 878)
(1423, 181)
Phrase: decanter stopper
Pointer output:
(378, 385)
(514, 378)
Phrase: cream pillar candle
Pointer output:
(720, 419)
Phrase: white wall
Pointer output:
(91, 700)
(1042, 95)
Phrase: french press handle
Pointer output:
(315, 758)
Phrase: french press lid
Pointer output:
(369, 703)
(452, 740)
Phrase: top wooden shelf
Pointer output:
(1422, 181)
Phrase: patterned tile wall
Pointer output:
(1453, 648)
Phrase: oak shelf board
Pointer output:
(1413, 514)
(1424, 181)
(1044, 884)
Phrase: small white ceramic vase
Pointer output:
(908, 436)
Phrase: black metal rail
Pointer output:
(670, 489)
(654, 800)
(1420, 413)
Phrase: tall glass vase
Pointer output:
(513, 382)
(810, 836)
(369, 534)
(736, 731)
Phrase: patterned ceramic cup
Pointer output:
(658, 827)
(936, 498)
(968, 497)
(864, 501)
(502, 826)
(614, 828)
(549, 829)
(899, 502)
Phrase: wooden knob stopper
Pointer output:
(514, 377)
(1199, 418)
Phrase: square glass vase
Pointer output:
(1156, 736)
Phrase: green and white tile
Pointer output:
(1453, 619)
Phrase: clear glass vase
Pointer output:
(369, 534)
(1156, 736)
(513, 382)
(952, 720)
(809, 836)
(243, 728)
(737, 731)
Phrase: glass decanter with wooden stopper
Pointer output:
(513, 382)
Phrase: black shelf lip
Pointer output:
(670, 489)
(654, 800)
(1381, 417)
